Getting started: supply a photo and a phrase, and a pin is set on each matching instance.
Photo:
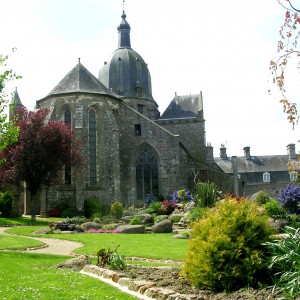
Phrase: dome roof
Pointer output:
(126, 73)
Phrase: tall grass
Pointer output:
(285, 262)
(206, 194)
(25, 276)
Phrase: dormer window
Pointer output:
(293, 176)
(266, 177)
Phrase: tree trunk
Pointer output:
(32, 207)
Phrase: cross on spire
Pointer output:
(123, 6)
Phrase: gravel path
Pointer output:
(52, 246)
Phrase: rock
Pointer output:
(127, 219)
(132, 229)
(189, 206)
(164, 226)
(75, 264)
(90, 225)
(278, 224)
(43, 231)
(175, 218)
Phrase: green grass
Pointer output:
(17, 243)
(155, 246)
(25, 221)
(25, 276)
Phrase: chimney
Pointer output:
(223, 153)
(291, 150)
(209, 152)
(247, 153)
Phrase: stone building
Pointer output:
(132, 152)
(267, 173)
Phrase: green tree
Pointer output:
(8, 130)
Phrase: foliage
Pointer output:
(8, 130)
(64, 226)
(70, 212)
(40, 154)
(262, 198)
(274, 209)
(294, 220)
(6, 203)
(136, 220)
(197, 213)
(155, 206)
(290, 198)
(91, 207)
(116, 210)
(149, 199)
(77, 220)
(168, 206)
(160, 218)
(111, 259)
(96, 220)
(206, 194)
(226, 251)
(285, 262)
(182, 196)
(175, 218)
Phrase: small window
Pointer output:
(140, 108)
(137, 129)
(266, 177)
(293, 176)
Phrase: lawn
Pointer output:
(26, 276)
(156, 246)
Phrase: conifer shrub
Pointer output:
(226, 251)
(274, 209)
(6, 203)
(116, 210)
(262, 198)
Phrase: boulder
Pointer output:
(189, 206)
(132, 229)
(164, 226)
(90, 225)
(76, 264)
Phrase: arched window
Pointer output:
(68, 174)
(92, 147)
(146, 174)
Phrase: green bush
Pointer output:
(196, 213)
(116, 210)
(262, 198)
(70, 212)
(155, 206)
(274, 208)
(91, 207)
(136, 220)
(104, 209)
(285, 262)
(226, 251)
(206, 194)
(6, 203)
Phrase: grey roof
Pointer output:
(16, 99)
(79, 79)
(268, 163)
(184, 107)
(126, 72)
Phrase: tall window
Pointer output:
(146, 174)
(92, 147)
(266, 177)
(68, 176)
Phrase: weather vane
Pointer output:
(123, 5)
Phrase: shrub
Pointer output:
(77, 220)
(196, 213)
(226, 251)
(206, 194)
(96, 220)
(6, 203)
(111, 259)
(104, 209)
(155, 206)
(262, 198)
(91, 207)
(116, 210)
(136, 220)
(285, 262)
(290, 198)
(168, 206)
(182, 196)
(274, 208)
(70, 212)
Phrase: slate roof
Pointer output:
(184, 107)
(79, 79)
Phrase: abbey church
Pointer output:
(132, 151)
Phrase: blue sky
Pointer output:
(222, 48)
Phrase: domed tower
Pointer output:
(127, 75)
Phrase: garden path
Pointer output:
(52, 246)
